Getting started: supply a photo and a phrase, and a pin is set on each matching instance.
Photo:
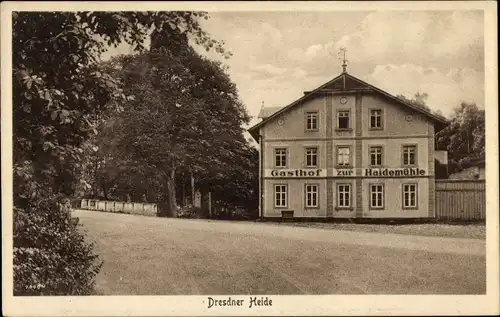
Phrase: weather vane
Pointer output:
(341, 53)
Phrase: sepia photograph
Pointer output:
(249, 159)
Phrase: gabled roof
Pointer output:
(266, 112)
(347, 82)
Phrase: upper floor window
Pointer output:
(343, 119)
(376, 119)
(311, 121)
(343, 155)
(311, 195)
(409, 155)
(311, 157)
(280, 157)
(376, 155)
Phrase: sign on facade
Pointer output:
(346, 172)
(294, 173)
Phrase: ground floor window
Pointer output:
(409, 195)
(377, 196)
(280, 196)
(311, 195)
(344, 195)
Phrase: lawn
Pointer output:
(473, 231)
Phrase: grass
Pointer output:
(473, 231)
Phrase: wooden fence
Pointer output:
(120, 207)
(460, 199)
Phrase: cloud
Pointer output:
(447, 39)
(266, 70)
(278, 55)
(446, 89)
(313, 50)
(271, 33)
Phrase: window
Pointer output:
(343, 156)
(376, 119)
(375, 155)
(311, 121)
(344, 195)
(409, 154)
(343, 119)
(280, 196)
(377, 196)
(280, 157)
(311, 195)
(311, 157)
(409, 196)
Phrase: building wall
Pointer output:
(474, 172)
(398, 120)
(401, 126)
(296, 152)
(296, 198)
(393, 205)
(393, 151)
(293, 126)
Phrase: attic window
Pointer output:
(311, 121)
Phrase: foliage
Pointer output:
(189, 211)
(59, 92)
(59, 95)
(184, 118)
(50, 255)
(237, 185)
(464, 137)
(418, 100)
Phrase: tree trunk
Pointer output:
(104, 191)
(192, 189)
(171, 206)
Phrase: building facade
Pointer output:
(347, 150)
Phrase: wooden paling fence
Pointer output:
(120, 207)
(460, 199)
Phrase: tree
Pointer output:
(235, 187)
(185, 116)
(464, 137)
(418, 100)
(59, 93)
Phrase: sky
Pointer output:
(279, 55)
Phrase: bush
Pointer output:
(189, 212)
(50, 256)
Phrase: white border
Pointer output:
(282, 305)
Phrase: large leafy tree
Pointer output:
(235, 186)
(464, 137)
(59, 93)
(185, 117)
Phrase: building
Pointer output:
(476, 170)
(347, 150)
